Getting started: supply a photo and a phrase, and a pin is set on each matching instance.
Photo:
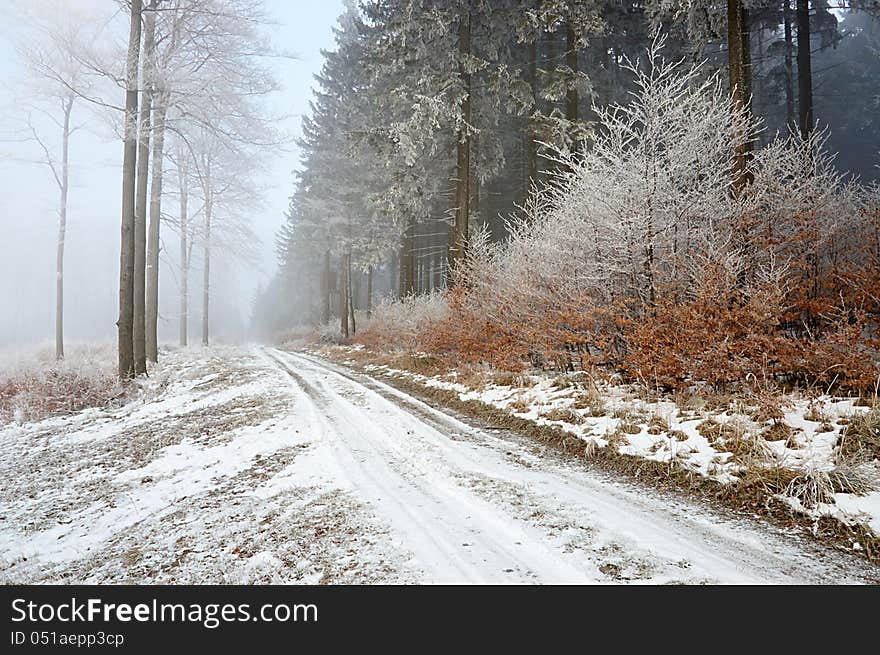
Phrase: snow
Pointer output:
(810, 449)
(247, 465)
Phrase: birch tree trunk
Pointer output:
(125, 323)
(62, 231)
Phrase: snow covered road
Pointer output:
(476, 507)
(254, 465)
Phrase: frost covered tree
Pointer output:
(48, 48)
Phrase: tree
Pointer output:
(125, 324)
(739, 71)
(145, 129)
(54, 78)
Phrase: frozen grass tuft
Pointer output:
(33, 385)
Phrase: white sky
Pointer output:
(29, 197)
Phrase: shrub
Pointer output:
(33, 385)
(404, 324)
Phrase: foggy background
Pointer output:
(29, 202)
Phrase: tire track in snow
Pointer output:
(455, 536)
(417, 466)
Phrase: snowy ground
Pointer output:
(718, 443)
(254, 465)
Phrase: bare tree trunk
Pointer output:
(370, 292)
(343, 298)
(153, 234)
(140, 213)
(531, 146)
(458, 247)
(62, 230)
(805, 73)
(739, 67)
(571, 60)
(125, 323)
(184, 254)
(789, 74)
(325, 289)
(351, 295)
(206, 281)
(438, 271)
(407, 285)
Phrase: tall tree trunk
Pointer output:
(343, 298)
(62, 231)
(140, 213)
(125, 323)
(206, 281)
(531, 146)
(153, 233)
(739, 68)
(458, 247)
(184, 254)
(326, 291)
(407, 286)
(351, 294)
(370, 292)
(805, 73)
(438, 271)
(571, 60)
(789, 73)
(394, 277)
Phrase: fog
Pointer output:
(29, 196)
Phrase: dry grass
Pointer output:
(592, 402)
(862, 434)
(565, 414)
(33, 385)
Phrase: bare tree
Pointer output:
(53, 76)
(140, 213)
(125, 324)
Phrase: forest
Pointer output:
(671, 192)
(555, 291)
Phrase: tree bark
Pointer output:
(407, 286)
(140, 213)
(206, 281)
(351, 296)
(805, 73)
(739, 68)
(789, 73)
(458, 247)
(343, 299)
(184, 254)
(62, 231)
(370, 292)
(531, 146)
(153, 233)
(125, 323)
(571, 60)
(325, 289)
